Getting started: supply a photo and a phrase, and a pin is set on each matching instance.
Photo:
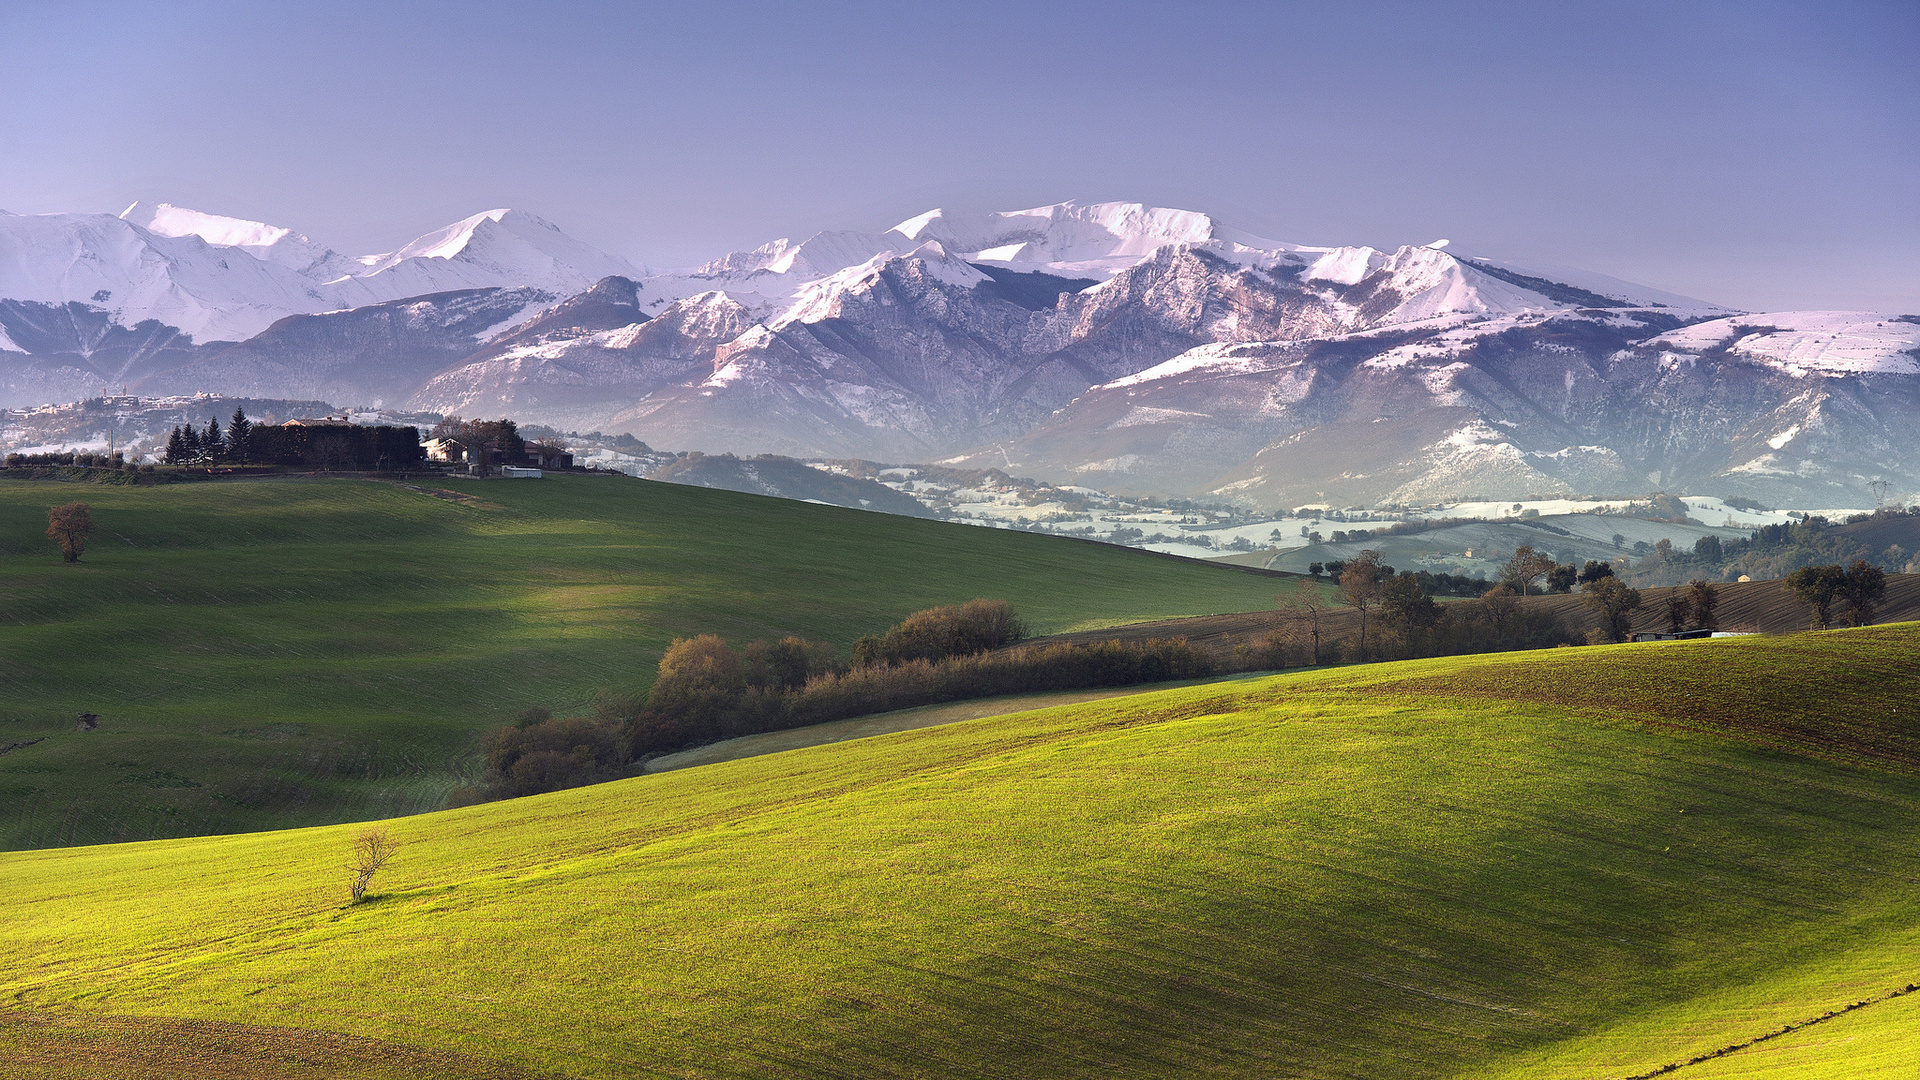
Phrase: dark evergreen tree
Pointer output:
(238, 433)
(176, 448)
(212, 444)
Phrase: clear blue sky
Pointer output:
(1759, 154)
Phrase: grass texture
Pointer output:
(266, 654)
(1582, 863)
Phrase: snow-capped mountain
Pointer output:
(226, 279)
(1114, 344)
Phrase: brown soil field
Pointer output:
(55, 1046)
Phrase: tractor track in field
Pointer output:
(1785, 1029)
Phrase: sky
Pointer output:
(1760, 155)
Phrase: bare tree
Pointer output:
(1304, 605)
(1499, 605)
(69, 526)
(1360, 584)
(1525, 567)
(372, 847)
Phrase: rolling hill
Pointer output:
(1572, 863)
(266, 654)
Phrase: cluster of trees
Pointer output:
(1775, 551)
(1857, 590)
(1399, 619)
(1430, 583)
(189, 446)
(328, 446)
(707, 690)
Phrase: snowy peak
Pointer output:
(817, 256)
(929, 262)
(268, 243)
(227, 278)
(165, 219)
(1425, 282)
(507, 242)
(1074, 236)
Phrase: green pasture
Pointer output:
(274, 653)
(1583, 863)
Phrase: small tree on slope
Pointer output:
(69, 526)
(372, 848)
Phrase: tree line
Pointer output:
(708, 690)
(321, 446)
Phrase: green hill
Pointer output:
(1578, 863)
(266, 654)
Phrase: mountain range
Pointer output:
(1111, 345)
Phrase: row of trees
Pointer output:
(187, 446)
(707, 690)
(319, 446)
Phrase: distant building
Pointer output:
(320, 421)
(444, 450)
(549, 457)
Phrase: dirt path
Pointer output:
(861, 727)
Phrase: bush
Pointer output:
(956, 630)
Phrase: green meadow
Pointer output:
(1580, 863)
(275, 653)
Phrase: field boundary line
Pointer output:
(1787, 1029)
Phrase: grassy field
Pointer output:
(276, 653)
(1580, 863)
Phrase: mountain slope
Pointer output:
(370, 355)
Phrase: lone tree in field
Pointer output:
(372, 847)
(1616, 603)
(69, 526)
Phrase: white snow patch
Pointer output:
(1832, 343)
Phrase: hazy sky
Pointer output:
(1764, 155)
